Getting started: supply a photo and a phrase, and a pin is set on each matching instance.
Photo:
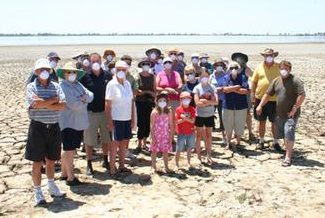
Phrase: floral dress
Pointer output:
(161, 134)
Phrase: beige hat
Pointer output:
(270, 51)
(195, 55)
(42, 63)
(121, 64)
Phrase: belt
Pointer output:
(46, 125)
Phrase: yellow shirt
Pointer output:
(263, 76)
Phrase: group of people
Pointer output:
(98, 98)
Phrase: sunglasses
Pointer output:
(71, 72)
(168, 62)
(172, 53)
(233, 68)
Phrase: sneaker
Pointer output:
(74, 182)
(55, 192)
(39, 198)
(278, 148)
(260, 145)
(130, 155)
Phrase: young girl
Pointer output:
(161, 126)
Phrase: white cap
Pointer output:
(167, 59)
(195, 55)
(121, 64)
(42, 63)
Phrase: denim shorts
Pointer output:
(185, 142)
(286, 128)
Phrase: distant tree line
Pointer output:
(160, 34)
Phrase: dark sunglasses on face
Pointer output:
(168, 62)
(233, 68)
(71, 72)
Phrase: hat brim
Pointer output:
(153, 50)
(275, 54)
(219, 62)
(162, 95)
(239, 55)
(141, 63)
(60, 73)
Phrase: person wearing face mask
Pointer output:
(129, 75)
(154, 55)
(195, 64)
(205, 99)
(96, 81)
(290, 95)
(185, 118)
(204, 63)
(73, 119)
(53, 58)
(246, 71)
(144, 101)
(159, 65)
(191, 82)
(45, 101)
(81, 62)
(109, 56)
(120, 114)
(235, 104)
(176, 64)
(218, 80)
(161, 130)
(263, 75)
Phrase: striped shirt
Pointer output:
(51, 90)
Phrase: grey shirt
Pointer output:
(205, 92)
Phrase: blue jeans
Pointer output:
(185, 142)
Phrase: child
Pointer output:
(185, 118)
(161, 126)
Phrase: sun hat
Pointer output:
(42, 63)
(240, 58)
(204, 55)
(121, 64)
(269, 51)
(80, 54)
(195, 55)
(53, 54)
(172, 50)
(108, 52)
(185, 95)
(153, 49)
(219, 61)
(167, 59)
(69, 67)
(145, 61)
(162, 94)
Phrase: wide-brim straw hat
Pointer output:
(69, 67)
(269, 51)
(84, 54)
(146, 61)
(219, 61)
(109, 52)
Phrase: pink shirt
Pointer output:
(169, 82)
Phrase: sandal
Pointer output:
(125, 170)
(286, 163)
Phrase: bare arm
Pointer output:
(299, 101)
(171, 125)
(228, 89)
(57, 107)
(108, 114)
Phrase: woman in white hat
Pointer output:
(74, 119)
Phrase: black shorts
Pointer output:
(43, 141)
(71, 139)
(268, 111)
(122, 130)
(204, 121)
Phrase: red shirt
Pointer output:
(186, 127)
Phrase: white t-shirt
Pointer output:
(121, 97)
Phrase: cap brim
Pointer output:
(60, 73)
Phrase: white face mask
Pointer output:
(195, 60)
(72, 77)
(219, 69)
(180, 57)
(86, 63)
(109, 58)
(168, 66)
(269, 59)
(44, 75)
(160, 61)
(120, 74)
(186, 102)
(162, 104)
(191, 77)
(173, 57)
(234, 73)
(95, 66)
(204, 80)
(146, 68)
(284, 73)
(53, 64)
(204, 60)
(153, 56)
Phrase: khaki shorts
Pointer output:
(234, 120)
(97, 121)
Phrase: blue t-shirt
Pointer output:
(219, 81)
(235, 101)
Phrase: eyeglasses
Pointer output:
(172, 53)
(233, 68)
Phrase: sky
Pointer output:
(163, 16)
